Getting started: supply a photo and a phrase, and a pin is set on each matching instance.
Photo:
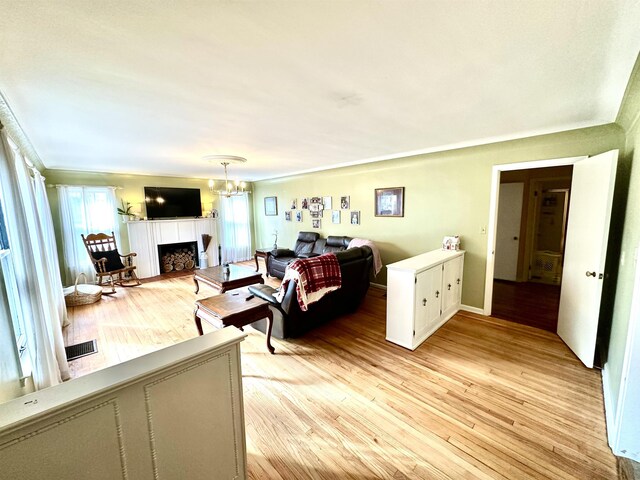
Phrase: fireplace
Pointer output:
(174, 257)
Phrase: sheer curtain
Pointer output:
(84, 210)
(33, 251)
(236, 229)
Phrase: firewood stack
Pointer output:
(178, 260)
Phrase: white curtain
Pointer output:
(33, 250)
(84, 210)
(236, 229)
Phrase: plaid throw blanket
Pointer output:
(314, 278)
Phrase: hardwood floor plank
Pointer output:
(481, 398)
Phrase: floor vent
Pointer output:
(81, 349)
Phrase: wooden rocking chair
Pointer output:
(108, 262)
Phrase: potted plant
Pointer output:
(126, 211)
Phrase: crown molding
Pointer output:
(9, 121)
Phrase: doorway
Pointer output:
(529, 249)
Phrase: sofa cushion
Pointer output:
(350, 255)
(336, 244)
(305, 243)
(113, 260)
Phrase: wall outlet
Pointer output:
(483, 230)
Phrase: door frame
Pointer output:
(493, 213)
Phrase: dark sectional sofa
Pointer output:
(308, 244)
(290, 321)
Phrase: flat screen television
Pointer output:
(166, 202)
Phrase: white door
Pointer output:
(585, 252)
(508, 231)
(452, 278)
(427, 305)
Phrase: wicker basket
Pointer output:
(82, 294)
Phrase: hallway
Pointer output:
(527, 303)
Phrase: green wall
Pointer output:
(131, 189)
(446, 193)
(629, 119)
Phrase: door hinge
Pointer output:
(415, 280)
(443, 267)
(414, 333)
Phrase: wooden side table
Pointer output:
(233, 309)
(262, 253)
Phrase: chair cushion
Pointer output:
(113, 260)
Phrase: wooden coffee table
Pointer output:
(236, 278)
(233, 309)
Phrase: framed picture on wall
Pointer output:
(315, 223)
(304, 203)
(326, 202)
(271, 206)
(389, 202)
(287, 216)
(299, 216)
(345, 203)
(294, 204)
(355, 217)
(335, 216)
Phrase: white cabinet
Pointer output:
(145, 236)
(423, 292)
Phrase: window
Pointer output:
(8, 278)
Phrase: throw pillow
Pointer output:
(113, 260)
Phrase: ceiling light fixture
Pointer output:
(229, 189)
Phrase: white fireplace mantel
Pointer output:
(146, 235)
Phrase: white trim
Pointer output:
(609, 411)
(493, 213)
(442, 148)
(614, 432)
(470, 309)
(378, 285)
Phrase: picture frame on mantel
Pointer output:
(270, 206)
(389, 202)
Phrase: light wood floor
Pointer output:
(482, 398)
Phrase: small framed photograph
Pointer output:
(355, 217)
(335, 216)
(326, 202)
(271, 206)
(294, 204)
(389, 202)
(304, 203)
(345, 203)
(299, 216)
(315, 213)
(287, 216)
(315, 223)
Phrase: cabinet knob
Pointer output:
(458, 281)
(424, 302)
(437, 293)
(449, 287)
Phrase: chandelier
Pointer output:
(229, 189)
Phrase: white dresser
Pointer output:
(423, 292)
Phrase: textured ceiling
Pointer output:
(151, 87)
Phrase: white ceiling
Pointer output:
(152, 86)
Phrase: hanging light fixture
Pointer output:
(230, 189)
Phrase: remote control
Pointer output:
(249, 297)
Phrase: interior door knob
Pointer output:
(515, 238)
(591, 274)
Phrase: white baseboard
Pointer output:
(378, 285)
(469, 309)
(609, 409)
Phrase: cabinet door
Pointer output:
(427, 309)
(451, 285)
